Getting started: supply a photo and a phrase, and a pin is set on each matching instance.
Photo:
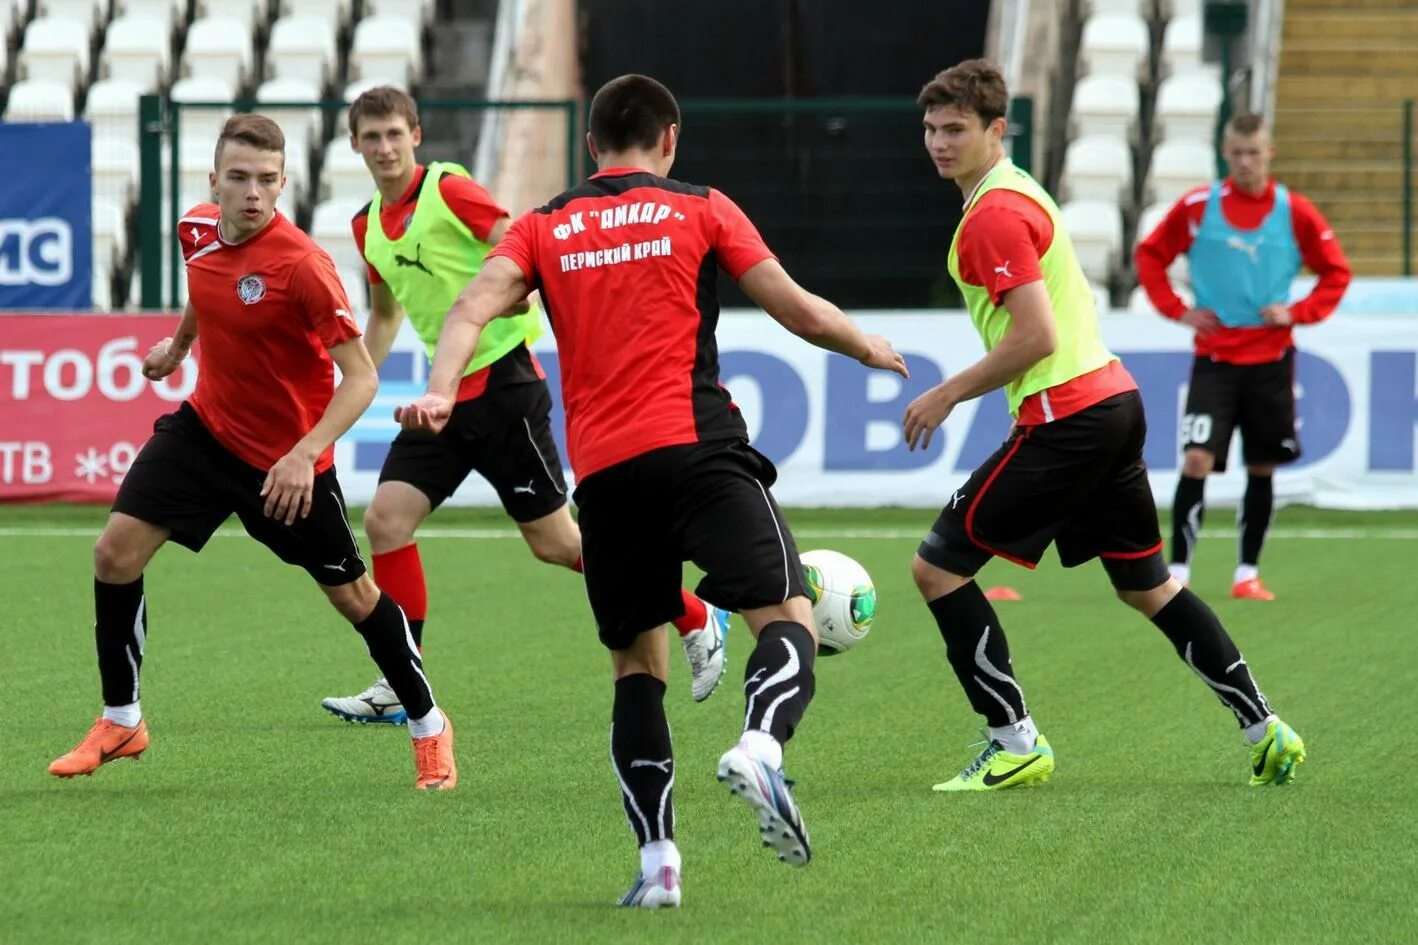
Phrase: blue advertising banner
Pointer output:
(46, 230)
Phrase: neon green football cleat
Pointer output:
(1275, 758)
(995, 769)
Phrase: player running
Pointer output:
(423, 238)
(626, 264)
(1071, 471)
(1245, 239)
(255, 439)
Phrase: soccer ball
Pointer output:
(843, 599)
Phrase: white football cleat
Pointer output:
(377, 704)
(660, 892)
(704, 649)
(767, 791)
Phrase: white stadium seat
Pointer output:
(301, 48)
(201, 124)
(344, 176)
(300, 126)
(330, 226)
(137, 48)
(40, 100)
(1186, 107)
(1105, 105)
(1171, 9)
(56, 50)
(115, 168)
(112, 108)
(386, 46)
(1096, 229)
(1098, 167)
(250, 13)
(219, 47)
(1141, 8)
(101, 288)
(1115, 44)
(166, 12)
(87, 13)
(1178, 165)
(1181, 48)
(110, 233)
(416, 12)
(331, 11)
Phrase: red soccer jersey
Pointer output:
(1000, 245)
(268, 309)
(626, 265)
(1319, 250)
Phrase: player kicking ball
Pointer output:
(626, 263)
(256, 440)
(424, 237)
(1071, 472)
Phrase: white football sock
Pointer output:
(656, 854)
(126, 715)
(1182, 572)
(1017, 739)
(1245, 572)
(429, 725)
(1256, 732)
(764, 747)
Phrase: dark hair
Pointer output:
(1246, 123)
(258, 131)
(631, 112)
(975, 85)
(383, 101)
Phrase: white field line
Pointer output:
(886, 534)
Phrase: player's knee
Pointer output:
(1198, 464)
(354, 601)
(553, 550)
(1152, 600)
(387, 529)
(934, 582)
(116, 561)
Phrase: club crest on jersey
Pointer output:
(251, 288)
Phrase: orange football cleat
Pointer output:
(433, 757)
(106, 741)
(1252, 589)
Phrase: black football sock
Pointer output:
(121, 633)
(778, 679)
(642, 757)
(1205, 646)
(979, 653)
(1256, 510)
(1188, 510)
(386, 634)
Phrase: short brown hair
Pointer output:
(384, 101)
(631, 111)
(975, 85)
(257, 131)
(1246, 123)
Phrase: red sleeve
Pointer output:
(196, 228)
(1158, 249)
(734, 237)
(316, 288)
(471, 204)
(360, 226)
(519, 244)
(1323, 256)
(1002, 241)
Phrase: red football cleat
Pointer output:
(1252, 589)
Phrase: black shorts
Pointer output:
(1259, 398)
(1079, 482)
(184, 480)
(504, 435)
(703, 502)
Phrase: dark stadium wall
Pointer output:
(848, 200)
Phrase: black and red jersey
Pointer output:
(626, 264)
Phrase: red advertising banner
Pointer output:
(74, 405)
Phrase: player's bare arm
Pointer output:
(385, 317)
(493, 294)
(815, 319)
(290, 482)
(1030, 339)
(165, 356)
(494, 236)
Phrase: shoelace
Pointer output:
(992, 748)
(426, 754)
(373, 690)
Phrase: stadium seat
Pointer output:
(1171, 9)
(201, 124)
(115, 168)
(1186, 107)
(219, 47)
(353, 91)
(1105, 105)
(386, 46)
(110, 232)
(87, 13)
(1178, 165)
(1096, 228)
(1098, 167)
(250, 13)
(1142, 8)
(40, 100)
(137, 48)
(112, 108)
(344, 176)
(194, 157)
(331, 11)
(1181, 48)
(301, 126)
(166, 12)
(101, 287)
(416, 12)
(302, 47)
(330, 226)
(56, 50)
(1115, 44)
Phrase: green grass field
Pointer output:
(256, 817)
